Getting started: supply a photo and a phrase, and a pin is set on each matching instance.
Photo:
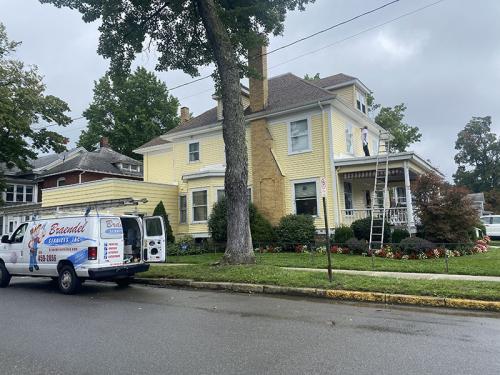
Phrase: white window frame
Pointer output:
(14, 192)
(361, 98)
(192, 205)
(180, 208)
(60, 179)
(189, 153)
(302, 181)
(309, 135)
(349, 129)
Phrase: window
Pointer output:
(306, 202)
(12, 225)
(182, 209)
(348, 138)
(154, 228)
(19, 193)
(29, 194)
(495, 220)
(221, 193)
(361, 102)
(18, 235)
(61, 181)
(400, 196)
(348, 198)
(9, 194)
(135, 168)
(368, 199)
(194, 152)
(200, 212)
(299, 136)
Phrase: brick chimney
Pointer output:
(259, 89)
(104, 142)
(185, 115)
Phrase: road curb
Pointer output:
(333, 294)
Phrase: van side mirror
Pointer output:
(5, 238)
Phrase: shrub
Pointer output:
(342, 234)
(296, 229)
(160, 211)
(399, 234)
(260, 227)
(356, 246)
(361, 229)
(185, 245)
(416, 245)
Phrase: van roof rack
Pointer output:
(85, 207)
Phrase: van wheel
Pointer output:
(68, 281)
(4, 276)
(122, 283)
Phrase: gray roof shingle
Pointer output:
(285, 91)
(334, 80)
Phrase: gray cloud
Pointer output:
(443, 62)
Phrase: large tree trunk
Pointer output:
(239, 240)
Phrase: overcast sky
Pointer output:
(443, 62)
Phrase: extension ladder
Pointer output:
(380, 194)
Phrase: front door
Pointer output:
(154, 239)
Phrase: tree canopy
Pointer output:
(130, 112)
(315, 77)
(23, 105)
(188, 34)
(393, 120)
(478, 156)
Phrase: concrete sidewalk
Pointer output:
(402, 275)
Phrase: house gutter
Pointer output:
(332, 162)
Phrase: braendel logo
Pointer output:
(113, 224)
(56, 229)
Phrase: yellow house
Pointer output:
(298, 131)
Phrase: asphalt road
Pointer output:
(145, 330)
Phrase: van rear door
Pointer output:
(111, 244)
(154, 239)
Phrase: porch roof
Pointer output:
(367, 163)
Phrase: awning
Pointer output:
(371, 174)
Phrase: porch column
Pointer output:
(409, 204)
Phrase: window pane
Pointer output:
(194, 151)
(300, 143)
(9, 196)
(200, 198)
(306, 207)
(495, 220)
(304, 190)
(298, 128)
(154, 227)
(194, 147)
(220, 194)
(29, 193)
(194, 156)
(200, 213)
(299, 135)
(19, 193)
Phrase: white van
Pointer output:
(78, 248)
(492, 224)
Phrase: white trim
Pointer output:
(189, 143)
(61, 179)
(309, 134)
(191, 191)
(356, 82)
(302, 181)
(145, 150)
(204, 174)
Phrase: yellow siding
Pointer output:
(115, 189)
(159, 167)
(347, 95)
(340, 124)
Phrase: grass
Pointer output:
(273, 275)
(487, 264)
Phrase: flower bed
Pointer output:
(390, 252)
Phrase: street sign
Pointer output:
(322, 183)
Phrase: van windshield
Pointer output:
(111, 228)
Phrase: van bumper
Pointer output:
(118, 272)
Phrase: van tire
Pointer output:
(125, 282)
(4, 276)
(68, 282)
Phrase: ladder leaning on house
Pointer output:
(380, 194)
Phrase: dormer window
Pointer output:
(361, 101)
(129, 167)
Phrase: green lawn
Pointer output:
(272, 275)
(487, 264)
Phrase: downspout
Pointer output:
(80, 177)
(333, 171)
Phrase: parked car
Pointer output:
(492, 224)
(74, 249)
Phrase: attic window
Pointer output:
(361, 102)
(61, 181)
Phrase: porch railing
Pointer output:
(396, 216)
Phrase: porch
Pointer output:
(355, 179)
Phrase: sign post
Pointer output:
(327, 229)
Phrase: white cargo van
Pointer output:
(73, 249)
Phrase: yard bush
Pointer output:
(160, 211)
(295, 230)
(260, 227)
(185, 245)
(361, 229)
(342, 234)
(356, 246)
(415, 245)
(398, 235)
